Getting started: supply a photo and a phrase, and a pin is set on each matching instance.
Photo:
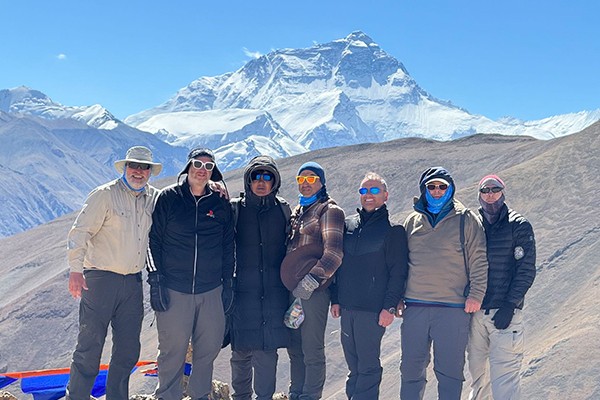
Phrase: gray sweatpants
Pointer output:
(307, 352)
(495, 357)
(262, 365)
(201, 317)
(448, 329)
(117, 300)
(361, 337)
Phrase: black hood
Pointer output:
(435, 173)
(264, 163)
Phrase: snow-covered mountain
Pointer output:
(48, 166)
(339, 93)
(33, 102)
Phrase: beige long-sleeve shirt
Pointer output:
(111, 231)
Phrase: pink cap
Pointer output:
(492, 179)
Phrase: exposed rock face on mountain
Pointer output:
(552, 183)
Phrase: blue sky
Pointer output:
(527, 59)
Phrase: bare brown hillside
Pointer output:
(553, 183)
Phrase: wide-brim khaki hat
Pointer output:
(139, 154)
(298, 263)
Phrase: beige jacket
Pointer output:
(436, 269)
(111, 231)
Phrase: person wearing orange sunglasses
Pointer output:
(317, 220)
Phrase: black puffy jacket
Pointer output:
(191, 240)
(261, 299)
(374, 269)
(511, 256)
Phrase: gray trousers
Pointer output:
(361, 340)
(307, 352)
(495, 357)
(448, 329)
(117, 300)
(201, 318)
(261, 364)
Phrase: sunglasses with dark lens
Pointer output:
(494, 189)
(373, 190)
(136, 165)
(265, 176)
(198, 164)
(431, 186)
(309, 179)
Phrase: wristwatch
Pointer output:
(392, 310)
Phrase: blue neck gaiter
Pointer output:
(307, 201)
(127, 184)
(434, 206)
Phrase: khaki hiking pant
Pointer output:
(495, 357)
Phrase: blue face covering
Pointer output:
(127, 184)
(307, 201)
(434, 206)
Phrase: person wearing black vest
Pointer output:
(495, 349)
(368, 286)
(261, 299)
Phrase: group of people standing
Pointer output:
(225, 272)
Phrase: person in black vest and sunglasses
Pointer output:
(495, 349)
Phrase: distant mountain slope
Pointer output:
(49, 166)
(343, 92)
(550, 182)
(33, 102)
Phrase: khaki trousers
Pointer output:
(495, 357)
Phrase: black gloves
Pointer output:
(504, 315)
(227, 296)
(159, 296)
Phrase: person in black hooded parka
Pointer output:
(261, 299)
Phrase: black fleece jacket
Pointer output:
(373, 273)
(191, 240)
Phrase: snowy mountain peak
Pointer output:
(342, 92)
(15, 99)
(33, 102)
(358, 36)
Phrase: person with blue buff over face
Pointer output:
(317, 220)
(447, 279)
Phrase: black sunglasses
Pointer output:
(494, 189)
(136, 165)
(431, 186)
(257, 175)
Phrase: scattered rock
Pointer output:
(4, 395)
(220, 391)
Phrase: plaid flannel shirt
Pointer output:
(320, 223)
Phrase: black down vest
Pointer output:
(511, 256)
